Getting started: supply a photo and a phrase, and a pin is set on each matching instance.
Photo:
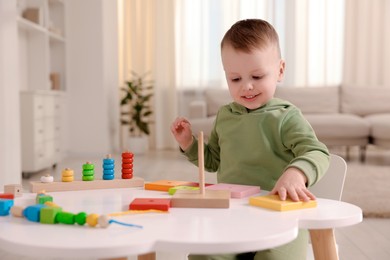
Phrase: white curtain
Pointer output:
(311, 37)
(147, 46)
(367, 43)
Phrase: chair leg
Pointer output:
(347, 158)
(363, 153)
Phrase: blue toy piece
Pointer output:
(108, 168)
(5, 206)
(32, 213)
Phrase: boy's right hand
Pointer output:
(181, 130)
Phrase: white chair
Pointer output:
(330, 186)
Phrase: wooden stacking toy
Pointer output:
(88, 172)
(127, 165)
(67, 175)
(108, 168)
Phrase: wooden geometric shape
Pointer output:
(87, 185)
(194, 199)
(48, 215)
(9, 196)
(273, 202)
(236, 190)
(42, 198)
(15, 189)
(33, 212)
(5, 206)
(150, 203)
(173, 190)
(164, 185)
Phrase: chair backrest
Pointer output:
(332, 184)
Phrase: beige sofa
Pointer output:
(341, 116)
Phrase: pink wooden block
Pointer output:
(236, 190)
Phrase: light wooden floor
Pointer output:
(367, 240)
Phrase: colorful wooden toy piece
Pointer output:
(5, 206)
(150, 203)
(9, 196)
(17, 211)
(127, 165)
(202, 198)
(15, 189)
(33, 212)
(236, 190)
(48, 215)
(165, 185)
(88, 172)
(47, 178)
(86, 185)
(273, 202)
(173, 190)
(42, 198)
(194, 199)
(108, 168)
(67, 175)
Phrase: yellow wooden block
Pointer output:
(274, 202)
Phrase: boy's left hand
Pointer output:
(292, 184)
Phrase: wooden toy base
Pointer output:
(194, 199)
(87, 185)
(274, 202)
(236, 190)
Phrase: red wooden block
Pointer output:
(7, 196)
(150, 203)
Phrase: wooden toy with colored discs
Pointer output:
(67, 175)
(88, 172)
(108, 168)
(201, 198)
(127, 165)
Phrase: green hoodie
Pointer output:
(254, 147)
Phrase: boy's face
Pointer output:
(252, 77)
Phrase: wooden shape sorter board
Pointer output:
(87, 185)
(165, 185)
(195, 199)
(273, 202)
(236, 190)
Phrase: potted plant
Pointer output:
(136, 111)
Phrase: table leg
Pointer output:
(149, 256)
(324, 244)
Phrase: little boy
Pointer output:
(259, 139)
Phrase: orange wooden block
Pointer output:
(273, 202)
(165, 185)
(195, 199)
(150, 203)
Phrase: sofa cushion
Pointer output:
(216, 98)
(365, 101)
(339, 126)
(380, 125)
(313, 100)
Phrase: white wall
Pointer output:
(92, 84)
(10, 157)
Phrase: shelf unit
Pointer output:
(42, 59)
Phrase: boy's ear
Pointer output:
(282, 67)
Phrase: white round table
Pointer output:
(240, 228)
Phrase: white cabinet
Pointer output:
(41, 129)
(41, 51)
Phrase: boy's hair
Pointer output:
(249, 34)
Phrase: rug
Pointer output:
(368, 186)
